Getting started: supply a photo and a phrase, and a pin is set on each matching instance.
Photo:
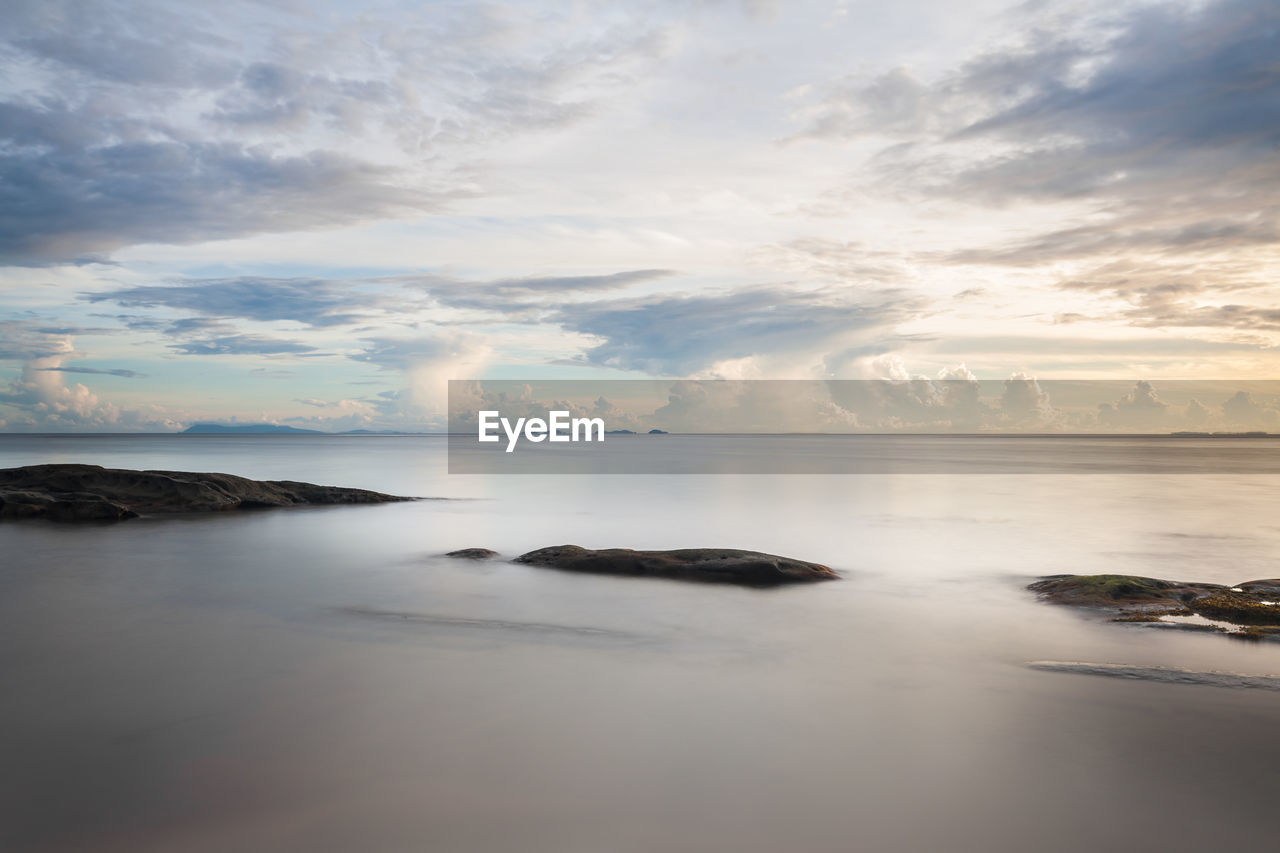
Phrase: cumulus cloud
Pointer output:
(1140, 410)
(427, 363)
(753, 406)
(40, 400)
(1243, 411)
(953, 401)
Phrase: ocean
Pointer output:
(322, 679)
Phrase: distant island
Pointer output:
(1253, 434)
(277, 429)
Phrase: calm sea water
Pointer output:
(321, 680)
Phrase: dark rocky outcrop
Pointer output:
(473, 554)
(712, 565)
(93, 493)
(1250, 606)
(1121, 592)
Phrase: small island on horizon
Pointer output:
(279, 429)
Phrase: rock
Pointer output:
(1124, 593)
(1251, 604)
(1271, 586)
(473, 554)
(714, 565)
(1238, 608)
(93, 493)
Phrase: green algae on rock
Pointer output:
(1238, 608)
(1128, 592)
(1244, 610)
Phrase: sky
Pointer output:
(317, 213)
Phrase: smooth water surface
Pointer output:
(322, 680)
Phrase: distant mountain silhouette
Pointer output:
(243, 429)
(277, 429)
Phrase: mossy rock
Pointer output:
(1236, 608)
(1119, 591)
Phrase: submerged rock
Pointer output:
(473, 554)
(93, 493)
(713, 565)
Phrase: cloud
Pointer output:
(1162, 295)
(516, 296)
(242, 345)
(26, 339)
(953, 401)
(42, 401)
(1140, 410)
(680, 335)
(763, 406)
(66, 200)
(204, 336)
(1156, 123)
(129, 374)
(825, 259)
(1243, 411)
(315, 302)
(1085, 347)
(129, 122)
(1178, 97)
(1023, 402)
(428, 363)
(325, 302)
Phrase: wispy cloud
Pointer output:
(242, 345)
(682, 335)
(314, 302)
(1159, 121)
(95, 371)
